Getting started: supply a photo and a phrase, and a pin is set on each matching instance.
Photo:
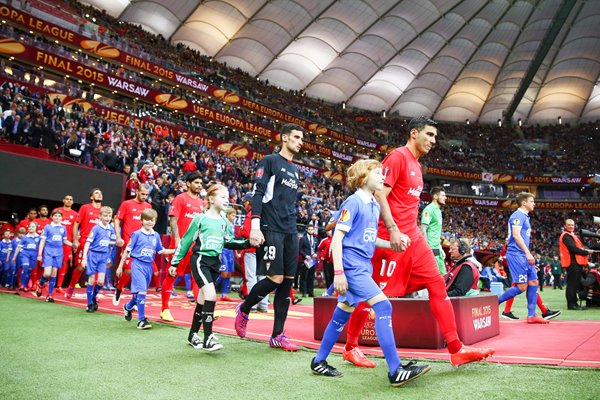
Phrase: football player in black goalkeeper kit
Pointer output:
(275, 234)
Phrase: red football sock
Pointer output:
(61, 274)
(508, 304)
(540, 304)
(444, 314)
(355, 324)
(167, 288)
(75, 278)
(123, 281)
(34, 276)
(292, 295)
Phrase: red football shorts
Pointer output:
(184, 265)
(400, 273)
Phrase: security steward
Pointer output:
(573, 256)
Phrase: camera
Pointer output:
(591, 234)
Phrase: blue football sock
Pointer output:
(385, 334)
(332, 332)
(97, 288)
(89, 291)
(43, 281)
(225, 286)
(132, 302)
(176, 280)
(141, 303)
(25, 275)
(509, 294)
(188, 282)
(218, 281)
(51, 285)
(531, 300)
(330, 290)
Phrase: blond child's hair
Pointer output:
(359, 171)
(106, 210)
(230, 211)
(149, 214)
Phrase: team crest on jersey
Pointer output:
(345, 216)
(386, 170)
(260, 172)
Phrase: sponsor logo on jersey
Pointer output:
(516, 222)
(415, 191)
(345, 216)
(291, 183)
(147, 252)
(370, 235)
(190, 215)
(426, 214)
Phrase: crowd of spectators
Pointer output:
(565, 149)
(467, 147)
(143, 155)
(535, 150)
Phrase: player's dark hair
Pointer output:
(288, 128)
(419, 123)
(436, 190)
(193, 176)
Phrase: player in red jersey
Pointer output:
(31, 217)
(42, 220)
(89, 216)
(183, 209)
(127, 221)
(69, 218)
(410, 265)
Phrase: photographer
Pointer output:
(462, 278)
(573, 257)
(590, 283)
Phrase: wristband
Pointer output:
(338, 272)
(255, 224)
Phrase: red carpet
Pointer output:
(561, 343)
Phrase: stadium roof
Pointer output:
(451, 59)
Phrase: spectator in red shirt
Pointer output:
(189, 166)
